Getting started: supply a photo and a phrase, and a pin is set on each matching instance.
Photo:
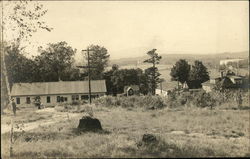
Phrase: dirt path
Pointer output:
(56, 117)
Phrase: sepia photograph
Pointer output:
(124, 79)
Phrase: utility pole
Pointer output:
(88, 66)
(161, 87)
(161, 80)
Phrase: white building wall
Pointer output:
(23, 101)
(207, 88)
(161, 92)
(43, 100)
(53, 99)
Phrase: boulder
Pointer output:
(88, 123)
(149, 138)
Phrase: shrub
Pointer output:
(175, 99)
(203, 99)
(76, 103)
(199, 99)
(146, 102)
(62, 107)
(70, 108)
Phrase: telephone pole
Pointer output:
(88, 66)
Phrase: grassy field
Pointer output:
(185, 132)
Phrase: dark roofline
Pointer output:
(92, 93)
(54, 82)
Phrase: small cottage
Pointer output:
(51, 93)
(131, 90)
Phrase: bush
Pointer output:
(76, 103)
(70, 108)
(62, 107)
(203, 99)
(146, 102)
(175, 99)
(198, 99)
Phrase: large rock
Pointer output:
(88, 123)
(149, 138)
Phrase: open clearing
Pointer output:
(33, 118)
(186, 132)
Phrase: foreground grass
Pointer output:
(181, 133)
(24, 115)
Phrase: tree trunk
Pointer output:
(4, 71)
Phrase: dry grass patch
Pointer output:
(205, 133)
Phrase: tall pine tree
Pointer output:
(153, 72)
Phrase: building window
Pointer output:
(65, 99)
(17, 100)
(58, 99)
(75, 97)
(48, 99)
(84, 97)
(28, 100)
(61, 99)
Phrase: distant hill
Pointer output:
(211, 60)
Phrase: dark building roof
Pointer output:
(134, 87)
(62, 87)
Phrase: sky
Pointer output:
(130, 29)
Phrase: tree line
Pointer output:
(192, 75)
(56, 62)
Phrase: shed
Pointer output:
(132, 90)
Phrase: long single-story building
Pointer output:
(51, 93)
